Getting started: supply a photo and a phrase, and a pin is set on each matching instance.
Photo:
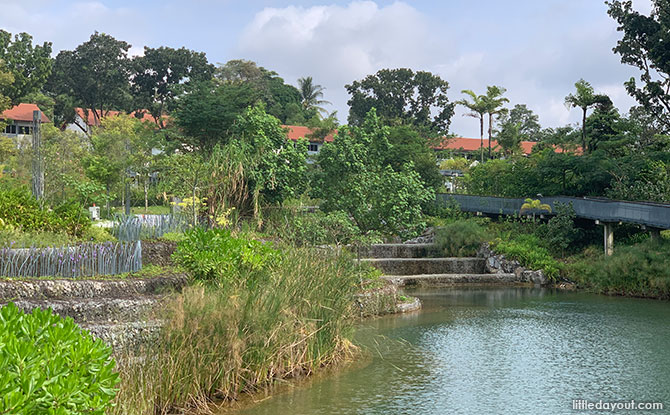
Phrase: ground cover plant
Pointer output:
(50, 366)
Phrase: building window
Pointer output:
(10, 129)
(25, 130)
(313, 147)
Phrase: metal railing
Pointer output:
(655, 215)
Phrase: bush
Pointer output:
(638, 270)
(50, 366)
(529, 251)
(461, 238)
(20, 209)
(217, 255)
(560, 232)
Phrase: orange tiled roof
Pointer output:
(472, 144)
(91, 120)
(23, 112)
(296, 132)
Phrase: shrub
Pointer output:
(50, 366)
(20, 209)
(529, 251)
(560, 232)
(216, 255)
(637, 270)
(320, 228)
(461, 238)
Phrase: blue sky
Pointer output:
(535, 49)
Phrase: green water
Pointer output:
(498, 351)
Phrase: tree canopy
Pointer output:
(402, 96)
(30, 66)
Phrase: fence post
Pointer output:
(38, 163)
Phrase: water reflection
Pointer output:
(499, 351)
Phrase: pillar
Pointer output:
(609, 238)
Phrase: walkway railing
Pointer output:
(655, 215)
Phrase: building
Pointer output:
(19, 122)
(85, 120)
(296, 132)
(469, 147)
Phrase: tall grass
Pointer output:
(462, 238)
(225, 339)
(641, 270)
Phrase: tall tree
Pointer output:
(494, 102)
(96, 74)
(6, 80)
(311, 94)
(584, 98)
(646, 45)
(161, 74)
(402, 96)
(529, 125)
(477, 106)
(29, 65)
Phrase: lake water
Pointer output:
(498, 351)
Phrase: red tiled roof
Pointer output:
(23, 112)
(472, 144)
(91, 120)
(296, 132)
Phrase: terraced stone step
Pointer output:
(437, 280)
(125, 335)
(416, 266)
(398, 251)
(65, 288)
(95, 309)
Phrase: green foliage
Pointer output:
(560, 232)
(217, 255)
(644, 45)
(29, 65)
(402, 96)
(408, 146)
(461, 238)
(95, 74)
(320, 228)
(354, 177)
(173, 237)
(19, 209)
(222, 340)
(638, 270)
(50, 366)
(530, 252)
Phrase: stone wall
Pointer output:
(498, 264)
(158, 252)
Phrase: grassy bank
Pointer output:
(277, 313)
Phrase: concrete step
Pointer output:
(437, 280)
(415, 266)
(104, 309)
(398, 251)
(11, 290)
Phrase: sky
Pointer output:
(537, 49)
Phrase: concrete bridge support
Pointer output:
(655, 234)
(608, 234)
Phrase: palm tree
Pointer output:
(585, 98)
(494, 106)
(534, 206)
(477, 109)
(310, 94)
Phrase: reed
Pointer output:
(223, 340)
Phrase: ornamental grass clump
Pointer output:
(274, 314)
(48, 365)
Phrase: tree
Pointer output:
(410, 148)
(6, 80)
(494, 101)
(29, 65)
(310, 95)
(162, 74)
(355, 177)
(281, 100)
(96, 74)
(402, 96)
(478, 108)
(509, 137)
(584, 98)
(529, 127)
(645, 45)
(207, 112)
